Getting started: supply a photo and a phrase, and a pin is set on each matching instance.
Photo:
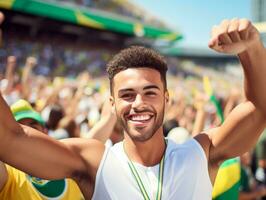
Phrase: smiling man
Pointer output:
(140, 121)
(146, 165)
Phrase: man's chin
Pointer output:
(139, 138)
(140, 135)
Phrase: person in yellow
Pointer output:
(17, 185)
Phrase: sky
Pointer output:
(194, 18)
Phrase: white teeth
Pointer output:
(140, 117)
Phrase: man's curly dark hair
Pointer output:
(136, 57)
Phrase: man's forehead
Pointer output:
(137, 74)
(137, 77)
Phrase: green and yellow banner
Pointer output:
(227, 182)
(89, 17)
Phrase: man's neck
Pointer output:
(147, 153)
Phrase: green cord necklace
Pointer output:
(140, 183)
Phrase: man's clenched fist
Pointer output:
(234, 36)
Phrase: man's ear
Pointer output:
(166, 96)
(112, 101)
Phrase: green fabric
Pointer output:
(229, 162)
(29, 115)
(261, 147)
(218, 107)
(51, 189)
(244, 181)
(88, 17)
(46, 9)
(22, 109)
(231, 194)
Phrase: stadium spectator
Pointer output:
(15, 184)
(249, 190)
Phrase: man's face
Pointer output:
(139, 98)
(33, 124)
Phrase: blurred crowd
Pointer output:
(54, 58)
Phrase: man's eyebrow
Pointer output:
(126, 90)
(145, 88)
(151, 87)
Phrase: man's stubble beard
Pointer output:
(149, 134)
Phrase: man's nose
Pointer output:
(138, 102)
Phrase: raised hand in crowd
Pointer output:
(104, 128)
(26, 79)
(200, 102)
(9, 74)
(2, 17)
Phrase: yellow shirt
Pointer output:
(21, 186)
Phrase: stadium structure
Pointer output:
(57, 31)
(69, 36)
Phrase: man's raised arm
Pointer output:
(35, 153)
(245, 123)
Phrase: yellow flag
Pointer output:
(207, 85)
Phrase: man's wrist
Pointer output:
(254, 48)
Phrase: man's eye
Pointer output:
(127, 96)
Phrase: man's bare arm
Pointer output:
(245, 123)
(35, 153)
(238, 134)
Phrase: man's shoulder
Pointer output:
(204, 141)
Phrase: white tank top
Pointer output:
(186, 175)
